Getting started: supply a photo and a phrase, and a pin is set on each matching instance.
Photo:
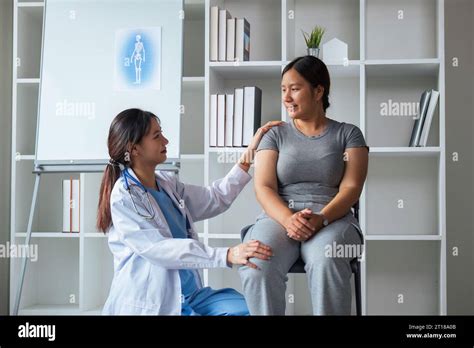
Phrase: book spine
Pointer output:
(429, 117)
(221, 108)
(246, 40)
(231, 39)
(415, 134)
(238, 116)
(229, 120)
(214, 33)
(213, 121)
(223, 16)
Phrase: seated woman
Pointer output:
(309, 172)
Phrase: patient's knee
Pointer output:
(265, 270)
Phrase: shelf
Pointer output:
(30, 4)
(194, 80)
(341, 18)
(50, 310)
(25, 158)
(26, 115)
(392, 104)
(394, 34)
(402, 277)
(193, 38)
(401, 237)
(30, 28)
(402, 196)
(28, 81)
(227, 149)
(247, 70)
(192, 118)
(405, 151)
(95, 235)
(402, 67)
(193, 157)
(58, 310)
(48, 235)
(97, 274)
(194, 10)
(264, 17)
(95, 311)
(51, 278)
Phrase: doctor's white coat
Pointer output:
(146, 256)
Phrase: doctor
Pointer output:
(149, 218)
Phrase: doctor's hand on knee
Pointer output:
(299, 226)
(240, 254)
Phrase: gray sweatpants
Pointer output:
(328, 271)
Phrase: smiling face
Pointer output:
(301, 100)
(151, 150)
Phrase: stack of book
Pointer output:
(234, 118)
(230, 37)
(421, 128)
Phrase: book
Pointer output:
(223, 16)
(213, 121)
(214, 33)
(418, 126)
(252, 113)
(71, 205)
(229, 120)
(220, 120)
(429, 117)
(230, 40)
(242, 40)
(238, 116)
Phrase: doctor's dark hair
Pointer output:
(314, 71)
(127, 129)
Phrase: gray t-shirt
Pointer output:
(310, 168)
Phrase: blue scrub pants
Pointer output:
(207, 301)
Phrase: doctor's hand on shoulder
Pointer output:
(247, 157)
(240, 254)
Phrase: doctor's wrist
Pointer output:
(246, 160)
(228, 258)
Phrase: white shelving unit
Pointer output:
(405, 247)
(402, 206)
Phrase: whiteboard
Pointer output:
(100, 57)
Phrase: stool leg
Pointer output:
(358, 291)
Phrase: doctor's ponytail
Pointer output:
(127, 129)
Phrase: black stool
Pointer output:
(298, 266)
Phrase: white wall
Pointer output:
(5, 141)
(459, 29)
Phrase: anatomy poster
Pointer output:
(138, 58)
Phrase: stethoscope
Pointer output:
(150, 215)
(126, 176)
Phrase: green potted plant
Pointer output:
(313, 40)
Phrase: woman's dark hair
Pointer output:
(127, 129)
(314, 71)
